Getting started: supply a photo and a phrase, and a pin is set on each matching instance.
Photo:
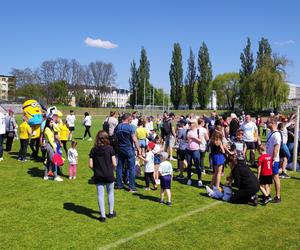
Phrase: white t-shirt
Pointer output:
(87, 121)
(72, 155)
(249, 129)
(149, 126)
(149, 166)
(2, 124)
(156, 149)
(71, 120)
(273, 138)
(165, 168)
(135, 122)
(203, 132)
(113, 123)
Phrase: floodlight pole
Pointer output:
(144, 96)
(296, 136)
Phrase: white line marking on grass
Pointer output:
(154, 228)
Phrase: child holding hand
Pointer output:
(149, 166)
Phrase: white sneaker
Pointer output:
(203, 172)
(58, 178)
(1, 159)
(209, 191)
(74, 177)
(46, 178)
(189, 182)
(70, 177)
(200, 183)
(157, 182)
(90, 139)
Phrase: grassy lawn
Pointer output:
(38, 214)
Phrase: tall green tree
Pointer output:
(190, 80)
(227, 87)
(176, 75)
(205, 76)
(144, 88)
(247, 67)
(133, 83)
(264, 54)
(246, 61)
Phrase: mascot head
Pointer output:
(53, 111)
(33, 111)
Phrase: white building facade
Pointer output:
(7, 84)
(117, 97)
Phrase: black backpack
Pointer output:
(106, 126)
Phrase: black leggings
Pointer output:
(64, 143)
(87, 131)
(23, 148)
(34, 145)
(149, 177)
(9, 140)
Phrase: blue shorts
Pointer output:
(276, 167)
(165, 182)
(218, 159)
(157, 159)
(143, 143)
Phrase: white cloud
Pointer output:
(98, 43)
(285, 43)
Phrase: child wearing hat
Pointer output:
(165, 172)
(149, 166)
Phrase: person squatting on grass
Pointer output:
(149, 166)
(166, 174)
(103, 162)
(25, 132)
(245, 181)
(73, 160)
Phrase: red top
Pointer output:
(265, 162)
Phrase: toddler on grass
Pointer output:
(73, 160)
(165, 172)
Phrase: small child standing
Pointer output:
(156, 151)
(240, 146)
(25, 132)
(166, 174)
(73, 160)
(264, 174)
(149, 166)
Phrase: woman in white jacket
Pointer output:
(87, 123)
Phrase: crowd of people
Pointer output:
(129, 144)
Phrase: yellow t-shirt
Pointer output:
(64, 133)
(141, 133)
(24, 130)
(49, 137)
(36, 132)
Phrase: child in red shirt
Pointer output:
(264, 174)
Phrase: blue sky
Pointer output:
(33, 31)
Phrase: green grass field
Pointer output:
(38, 214)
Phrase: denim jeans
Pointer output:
(193, 155)
(110, 197)
(126, 156)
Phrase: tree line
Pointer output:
(54, 81)
(259, 84)
(142, 91)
